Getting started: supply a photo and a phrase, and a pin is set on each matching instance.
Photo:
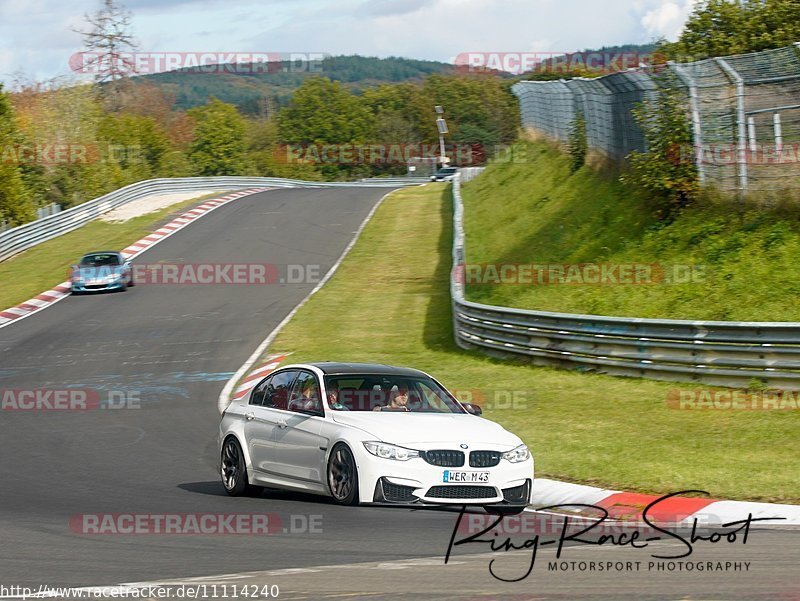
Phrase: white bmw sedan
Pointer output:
(366, 433)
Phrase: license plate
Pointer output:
(455, 476)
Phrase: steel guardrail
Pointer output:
(720, 353)
(28, 235)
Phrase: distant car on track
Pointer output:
(368, 433)
(101, 271)
(445, 174)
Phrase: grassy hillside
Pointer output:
(742, 259)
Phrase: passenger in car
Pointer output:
(333, 399)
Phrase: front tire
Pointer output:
(233, 470)
(343, 475)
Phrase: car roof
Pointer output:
(331, 368)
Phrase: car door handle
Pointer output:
(281, 423)
(250, 416)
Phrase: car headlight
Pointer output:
(521, 453)
(113, 277)
(390, 451)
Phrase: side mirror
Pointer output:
(473, 408)
(73, 267)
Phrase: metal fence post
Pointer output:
(776, 128)
(741, 124)
(697, 132)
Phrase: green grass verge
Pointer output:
(389, 302)
(47, 264)
(536, 212)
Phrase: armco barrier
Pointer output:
(719, 353)
(20, 238)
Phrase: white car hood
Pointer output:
(417, 428)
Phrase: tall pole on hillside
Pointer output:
(441, 125)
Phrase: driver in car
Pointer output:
(398, 400)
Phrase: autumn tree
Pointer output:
(15, 205)
(219, 140)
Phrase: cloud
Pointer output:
(667, 19)
(381, 8)
(35, 35)
(446, 28)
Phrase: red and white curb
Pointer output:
(270, 364)
(61, 291)
(674, 510)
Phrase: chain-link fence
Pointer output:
(550, 107)
(744, 112)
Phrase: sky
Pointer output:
(37, 37)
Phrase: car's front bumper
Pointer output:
(83, 287)
(388, 491)
(418, 482)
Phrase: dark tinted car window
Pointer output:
(306, 387)
(277, 389)
(368, 391)
(305, 395)
(257, 396)
(99, 260)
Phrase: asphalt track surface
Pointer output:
(175, 346)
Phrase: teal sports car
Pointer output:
(101, 271)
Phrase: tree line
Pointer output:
(69, 144)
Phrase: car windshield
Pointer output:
(98, 260)
(447, 171)
(388, 394)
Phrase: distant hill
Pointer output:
(257, 92)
